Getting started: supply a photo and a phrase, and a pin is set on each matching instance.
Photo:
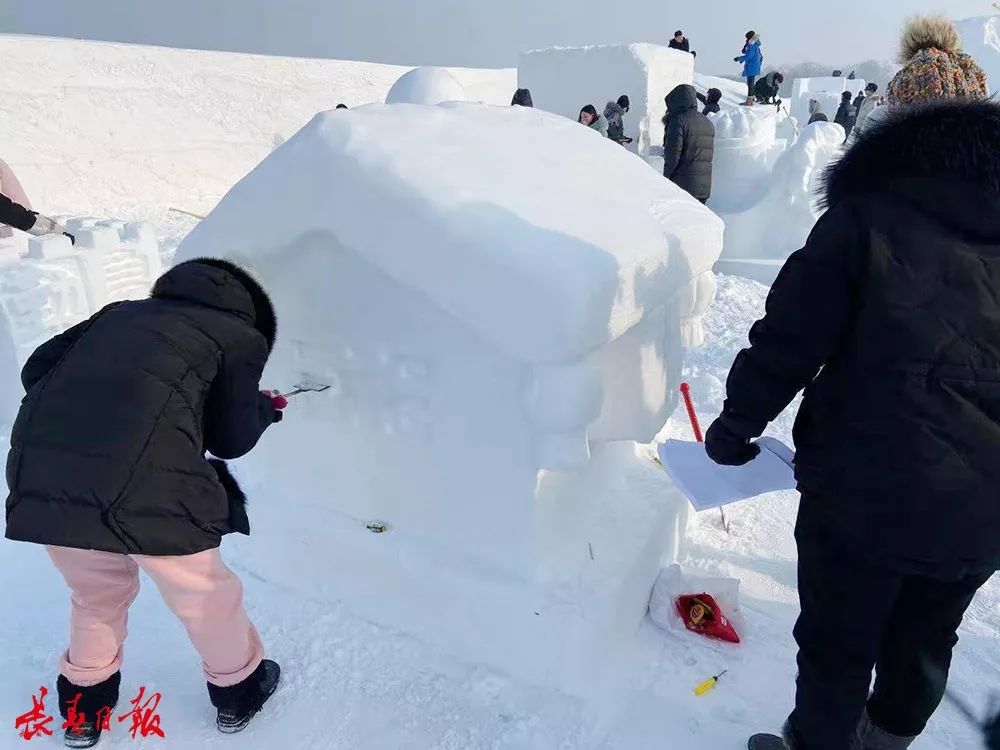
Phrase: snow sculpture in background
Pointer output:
(48, 285)
(759, 238)
(426, 86)
(563, 79)
(497, 334)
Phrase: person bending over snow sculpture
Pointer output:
(680, 42)
(711, 101)
(767, 88)
(590, 118)
(753, 60)
(522, 98)
(688, 143)
(887, 318)
(107, 469)
(614, 113)
(17, 216)
(816, 113)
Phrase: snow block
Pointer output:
(426, 86)
(563, 79)
(497, 334)
(826, 90)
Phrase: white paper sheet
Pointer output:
(708, 485)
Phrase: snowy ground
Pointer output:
(353, 685)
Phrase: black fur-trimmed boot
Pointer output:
(239, 703)
(88, 705)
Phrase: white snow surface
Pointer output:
(506, 189)
(426, 86)
(349, 683)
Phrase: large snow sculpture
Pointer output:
(563, 79)
(426, 86)
(497, 329)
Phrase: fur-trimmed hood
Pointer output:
(951, 142)
(223, 285)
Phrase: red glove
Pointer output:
(278, 401)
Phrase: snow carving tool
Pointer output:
(696, 427)
(709, 685)
(308, 386)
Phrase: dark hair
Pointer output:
(522, 97)
(779, 78)
(873, 87)
(623, 102)
(590, 109)
(678, 33)
(341, 106)
(751, 35)
(846, 96)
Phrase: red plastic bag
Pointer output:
(702, 615)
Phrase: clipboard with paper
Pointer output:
(708, 485)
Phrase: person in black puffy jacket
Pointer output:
(688, 143)
(108, 469)
(711, 101)
(888, 320)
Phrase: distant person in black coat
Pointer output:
(887, 319)
(107, 469)
(680, 42)
(522, 98)
(688, 143)
(845, 113)
(711, 101)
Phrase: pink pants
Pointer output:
(205, 595)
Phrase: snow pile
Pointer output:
(981, 39)
(497, 334)
(426, 86)
(564, 79)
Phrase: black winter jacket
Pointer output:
(15, 215)
(108, 449)
(889, 318)
(711, 101)
(683, 46)
(688, 143)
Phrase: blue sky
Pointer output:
(480, 33)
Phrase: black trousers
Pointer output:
(751, 81)
(857, 616)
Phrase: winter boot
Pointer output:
(871, 737)
(749, 102)
(88, 709)
(238, 703)
(773, 741)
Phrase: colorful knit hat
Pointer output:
(934, 66)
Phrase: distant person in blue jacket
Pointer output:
(753, 61)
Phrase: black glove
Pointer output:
(736, 59)
(727, 448)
